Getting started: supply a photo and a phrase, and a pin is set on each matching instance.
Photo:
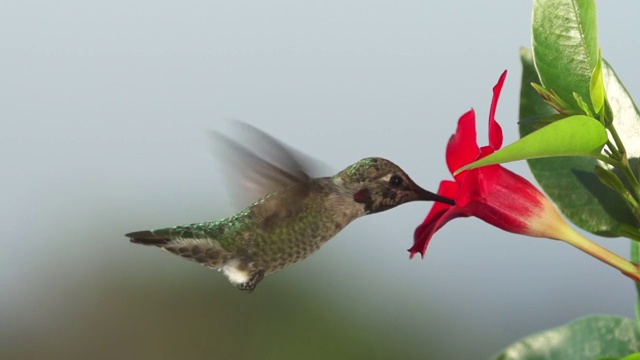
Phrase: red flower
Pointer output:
(501, 197)
(492, 193)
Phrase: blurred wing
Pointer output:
(253, 176)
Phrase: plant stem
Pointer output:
(607, 160)
(626, 167)
(616, 138)
(614, 150)
(596, 250)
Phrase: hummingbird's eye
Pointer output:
(395, 180)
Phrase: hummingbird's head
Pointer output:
(380, 185)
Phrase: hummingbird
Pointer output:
(297, 216)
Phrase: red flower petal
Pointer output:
(495, 131)
(500, 197)
(491, 193)
(439, 215)
(462, 148)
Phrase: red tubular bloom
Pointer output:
(501, 197)
(492, 193)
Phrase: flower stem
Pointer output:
(594, 249)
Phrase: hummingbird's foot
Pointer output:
(253, 281)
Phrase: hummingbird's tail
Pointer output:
(205, 251)
(146, 237)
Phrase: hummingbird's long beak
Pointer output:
(429, 196)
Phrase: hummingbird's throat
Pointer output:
(363, 196)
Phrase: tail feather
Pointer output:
(147, 237)
(205, 251)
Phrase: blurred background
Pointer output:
(105, 108)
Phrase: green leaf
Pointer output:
(591, 337)
(582, 104)
(576, 135)
(596, 87)
(635, 356)
(608, 113)
(626, 119)
(626, 122)
(610, 179)
(565, 44)
(539, 123)
(553, 99)
(571, 182)
(630, 232)
(625, 113)
(531, 104)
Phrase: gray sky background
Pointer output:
(105, 107)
